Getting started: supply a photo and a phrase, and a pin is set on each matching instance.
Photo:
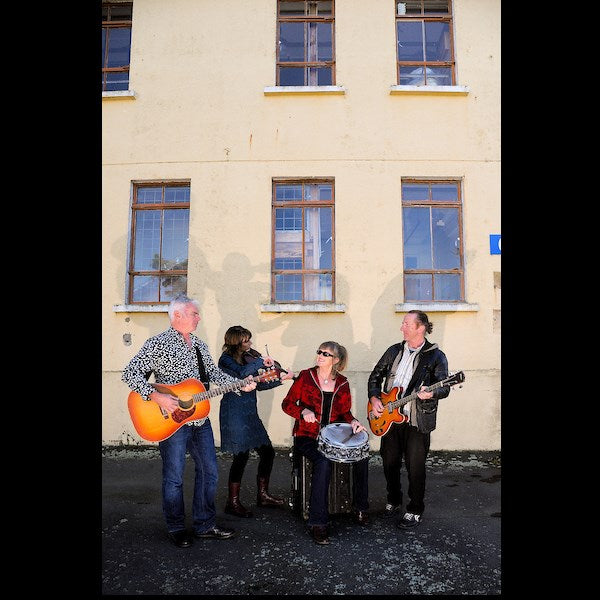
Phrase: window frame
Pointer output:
(136, 208)
(426, 17)
(303, 204)
(107, 25)
(458, 205)
(305, 18)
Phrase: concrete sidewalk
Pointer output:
(455, 550)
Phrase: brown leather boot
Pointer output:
(263, 498)
(233, 505)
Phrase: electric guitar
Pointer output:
(392, 405)
(155, 424)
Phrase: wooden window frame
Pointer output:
(136, 208)
(303, 204)
(427, 17)
(458, 205)
(107, 25)
(308, 17)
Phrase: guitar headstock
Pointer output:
(268, 374)
(455, 378)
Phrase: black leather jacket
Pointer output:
(430, 366)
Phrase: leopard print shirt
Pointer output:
(171, 360)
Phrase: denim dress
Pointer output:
(241, 427)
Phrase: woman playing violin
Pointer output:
(241, 427)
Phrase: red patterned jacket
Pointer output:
(306, 393)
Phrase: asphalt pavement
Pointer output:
(456, 550)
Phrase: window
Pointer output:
(432, 237)
(159, 242)
(424, 43)
(305, 43)
(303, 241)
(116, 46)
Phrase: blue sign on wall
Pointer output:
(495, 243)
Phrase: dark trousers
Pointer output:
(404, 441)
(318, 512)
(266, 455)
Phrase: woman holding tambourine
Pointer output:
(321, 396)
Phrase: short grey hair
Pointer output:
(179, 302)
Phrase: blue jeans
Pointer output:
(200, 443)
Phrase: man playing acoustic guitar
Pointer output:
(412, 364)
(174, 356)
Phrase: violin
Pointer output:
(251, 355)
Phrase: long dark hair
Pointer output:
(234, 337)
(423, 319)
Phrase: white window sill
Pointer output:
(139, 308)
(282, 90)
(305, 308)
(437, 307)
(122, 95)
(430, 90)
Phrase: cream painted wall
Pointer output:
(198, 70)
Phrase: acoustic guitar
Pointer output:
(155, 424)
(392, 405)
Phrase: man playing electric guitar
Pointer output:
(410, 366)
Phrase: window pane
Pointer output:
(410, 40)
(318, 239)
(417, 288)
(318, 287)
(288, 288)
(414, 191)
(120, 13)
(175, 239)
(291, 76)
(323, 75)
(447, 287)
(320, 48)
(318, 191)
(436, 6)
(287, 8)
(291, 42)
(147, 240)
(149, 195)
(444, 192)
(413, 7)
(288, 237)
(285, 193)
(117, 82)
(289, 264)
(446, 242)
(437, 37)
(439, 76)
(177, 194)
(324, 7)
(145, 288)
(171, 287)
(417, 238)
(288, 219)
(119, 43)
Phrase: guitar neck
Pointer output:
(217, 391)
(402, 401)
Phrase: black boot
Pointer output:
(233, 505)
(263, 498)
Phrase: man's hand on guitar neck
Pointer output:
(422, 394)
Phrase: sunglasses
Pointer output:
(325, 354)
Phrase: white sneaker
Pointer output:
(390, 510)
(409, 520)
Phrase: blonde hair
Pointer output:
(339, 352)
